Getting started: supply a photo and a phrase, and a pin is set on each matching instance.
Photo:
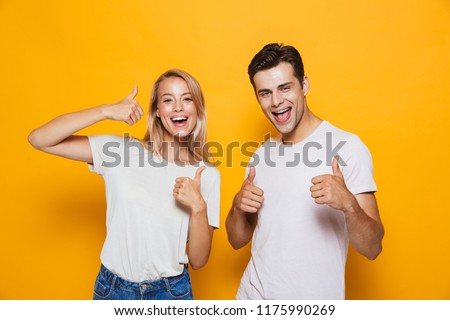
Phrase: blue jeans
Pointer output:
(109, 286)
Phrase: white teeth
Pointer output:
(281, 111)
(179, 119)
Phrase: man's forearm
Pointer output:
(239, 229)
(365, 233)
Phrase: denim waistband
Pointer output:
(116, 282)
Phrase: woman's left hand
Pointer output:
(187, 191)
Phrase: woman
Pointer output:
(161, 192)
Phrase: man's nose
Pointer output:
(277, 99)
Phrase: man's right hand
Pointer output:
(250, 197)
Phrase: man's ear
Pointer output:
(305, 85)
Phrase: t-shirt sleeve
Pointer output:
(106, 152)
(213, 199)
(358, 171)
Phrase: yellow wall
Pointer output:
(380, 69)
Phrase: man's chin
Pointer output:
(284, 129)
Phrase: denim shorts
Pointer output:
(109, 286)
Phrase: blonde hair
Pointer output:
(155, 130)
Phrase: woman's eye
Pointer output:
(167, 100)
(187, 99)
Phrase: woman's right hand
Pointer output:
(127, 109)
(57, 136)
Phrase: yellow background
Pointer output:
(379, 69)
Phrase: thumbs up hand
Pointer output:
(336, 170)
(251, 175)
(250, 197)
(331, 189)
(187, 191)
(127, 109)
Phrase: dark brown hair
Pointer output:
(272, 55)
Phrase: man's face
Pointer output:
(281, 97)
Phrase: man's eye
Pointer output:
(264, 94)
(284, 89)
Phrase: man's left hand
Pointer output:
(330, 189)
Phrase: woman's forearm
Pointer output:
(200, 239)
(62, 127)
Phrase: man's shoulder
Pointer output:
(352, 140)
(338, 132)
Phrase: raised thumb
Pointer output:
(198, 174)
(132, 94)
(251, 175)
(335, 166)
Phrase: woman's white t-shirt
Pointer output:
(147, 229)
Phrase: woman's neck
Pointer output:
(177, 151)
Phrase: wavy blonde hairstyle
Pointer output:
(154, 136)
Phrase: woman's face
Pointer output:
(176, 108)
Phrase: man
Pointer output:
(307, 193)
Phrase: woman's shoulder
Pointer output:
(107, 138)
(211, 171)
(114, 138)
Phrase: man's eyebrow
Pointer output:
(263, 90)
(279, 86)
(285, 84)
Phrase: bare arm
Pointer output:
(200, 238)
(361, 211)
(57, 136)
(187, 192)
(243, 216)
(240, 226)
(364, 225)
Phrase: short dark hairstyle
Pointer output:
(272, 55)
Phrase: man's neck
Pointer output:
(305, 127)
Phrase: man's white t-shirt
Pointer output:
(147, 229)
(299, 248)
